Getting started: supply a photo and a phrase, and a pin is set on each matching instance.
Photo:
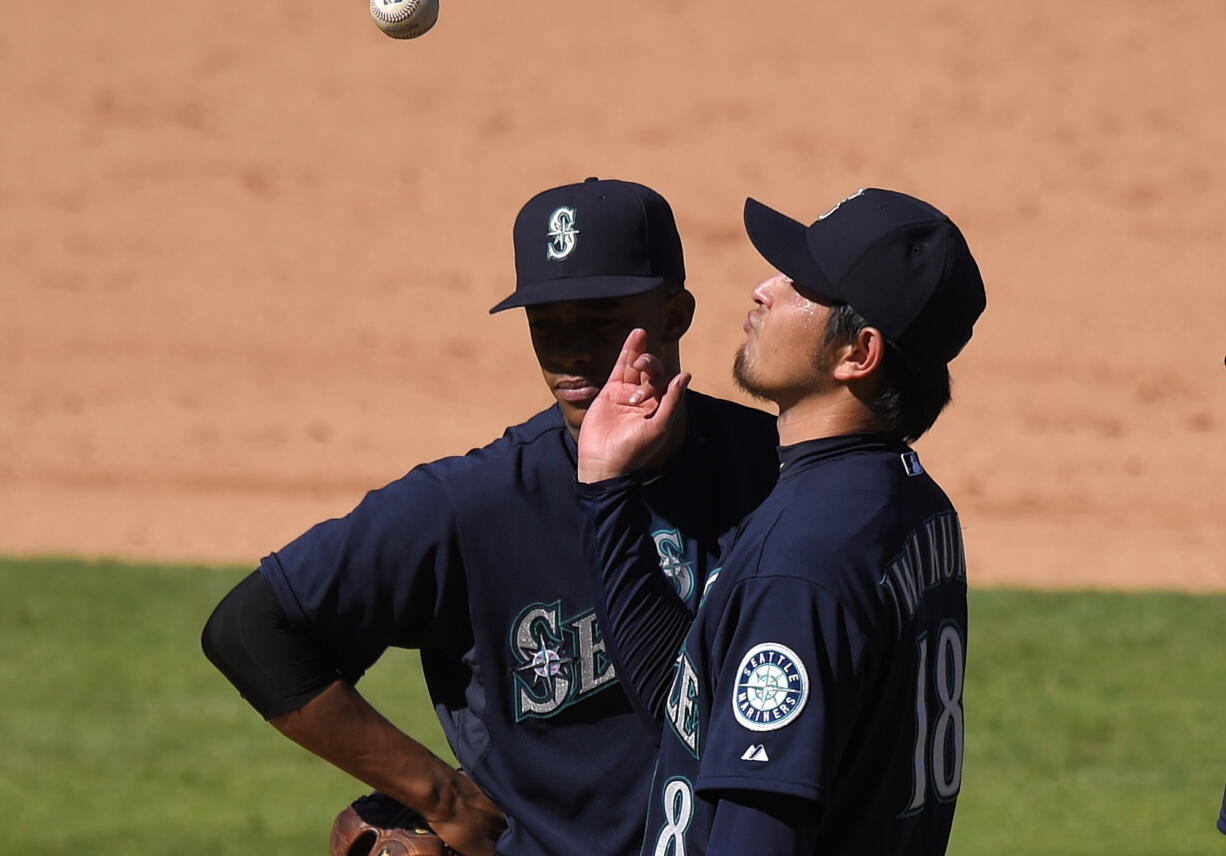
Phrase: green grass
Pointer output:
(119, 737)
(1096, 723)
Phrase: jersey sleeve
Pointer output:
(787, 672)
(781, 826)
(387, 574)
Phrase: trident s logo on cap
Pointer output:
(562, 234)
(859, 192)
(602, 238)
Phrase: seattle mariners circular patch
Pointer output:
(771, 689)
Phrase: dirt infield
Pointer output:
(246, 251)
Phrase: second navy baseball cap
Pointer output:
(599, 238)
(899, 262)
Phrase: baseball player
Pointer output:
(815, 703)
(476, 561)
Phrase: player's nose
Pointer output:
(762, 291)
(571, 351)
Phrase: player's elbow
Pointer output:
(219, 638)
(273, 665)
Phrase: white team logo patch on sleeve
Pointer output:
(771, 689)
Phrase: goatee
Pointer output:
(741, 375)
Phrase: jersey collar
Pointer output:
(800, 456)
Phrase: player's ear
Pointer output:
(680, 315)
(861, 357)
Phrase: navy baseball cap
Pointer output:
(598, 238)
(899, 262)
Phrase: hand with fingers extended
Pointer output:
(628, 422)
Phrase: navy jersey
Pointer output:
(476, 561)
(826, 660)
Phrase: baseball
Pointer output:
(404, 19)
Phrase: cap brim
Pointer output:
(781, 241)
(578, 288)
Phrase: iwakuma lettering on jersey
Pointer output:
(931, 557)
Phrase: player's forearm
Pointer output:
(295, 682)
(341, 727)
(643, 620)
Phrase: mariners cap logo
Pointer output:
(771, 689)
(562, 234)
(839, 205)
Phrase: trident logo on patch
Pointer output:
(562, 234)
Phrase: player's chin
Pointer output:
(745, 377)
(579, 408)
(574, 411)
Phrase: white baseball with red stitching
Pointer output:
(404, 19)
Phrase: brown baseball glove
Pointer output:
(377, 825)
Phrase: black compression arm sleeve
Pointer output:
(643, 619)
(275, 667)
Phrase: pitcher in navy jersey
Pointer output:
(476, 561)
(814, 706)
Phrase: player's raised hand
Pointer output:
(629, 421)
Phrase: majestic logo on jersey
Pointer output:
(755, 752)
(771, 689)
(671, 547)
(561, 661)
(681, 708)
(562, 234)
